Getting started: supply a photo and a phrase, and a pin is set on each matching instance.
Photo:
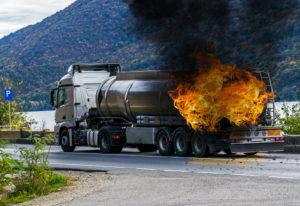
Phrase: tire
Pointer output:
(164, 144)
(147, 148)
(105, 143)
(250, 153)
(65, 140)
(182, 146)
(199, 146)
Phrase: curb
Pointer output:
(78, 169)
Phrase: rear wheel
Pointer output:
(105, 143)
(164, 144)
(181, 144)
(147, 148)
(199, 146)
(65, 141)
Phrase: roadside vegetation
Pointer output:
(291, 119)
(28, 176)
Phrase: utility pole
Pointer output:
(9, 113)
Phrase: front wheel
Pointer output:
(65, 142)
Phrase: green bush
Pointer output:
(30, 175)
(291, 119)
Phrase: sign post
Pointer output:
(8, 96)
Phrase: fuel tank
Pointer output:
(129, 95)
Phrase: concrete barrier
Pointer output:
(292, 144)
(20, 137)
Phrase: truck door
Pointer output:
(65, 104)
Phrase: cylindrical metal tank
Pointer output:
(132, 94)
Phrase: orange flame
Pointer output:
(219, 91)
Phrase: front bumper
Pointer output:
(256, 147)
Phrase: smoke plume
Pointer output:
(246, 32)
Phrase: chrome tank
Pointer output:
(132, 94)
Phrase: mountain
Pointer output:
(264, 36)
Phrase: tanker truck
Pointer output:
(98, 105)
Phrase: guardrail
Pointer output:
(292, 144)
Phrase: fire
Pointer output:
(219, 91)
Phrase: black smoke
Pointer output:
(245, 32)
(173, 26)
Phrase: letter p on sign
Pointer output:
(8, 95)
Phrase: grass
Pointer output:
(22, 194)
(28, 176)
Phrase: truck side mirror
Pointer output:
(53, 98)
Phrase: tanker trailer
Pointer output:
(99, 106)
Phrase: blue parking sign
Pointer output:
(8, 95)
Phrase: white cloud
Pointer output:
(16, 14)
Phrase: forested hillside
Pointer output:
(260, 35)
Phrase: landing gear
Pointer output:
(147, 148)
(65, 141)
(181, 144)
(228, 151)
(105, 142)
(164, 144)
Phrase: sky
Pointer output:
(16, 14)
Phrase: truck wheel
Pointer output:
(250, 153)
(199, 146)
(165, 146)
(105, 143)
(147, 148)
(65, 142)
(181, 144)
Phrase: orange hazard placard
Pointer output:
(274, 132)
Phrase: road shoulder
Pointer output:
(85, 183)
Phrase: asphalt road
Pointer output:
(270, 165)
(149, 179)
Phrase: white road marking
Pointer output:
(183, 171)
(247, 175)
(281, 177)
(148, 169)
(208, 173)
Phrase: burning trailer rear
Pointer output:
(99, 106)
